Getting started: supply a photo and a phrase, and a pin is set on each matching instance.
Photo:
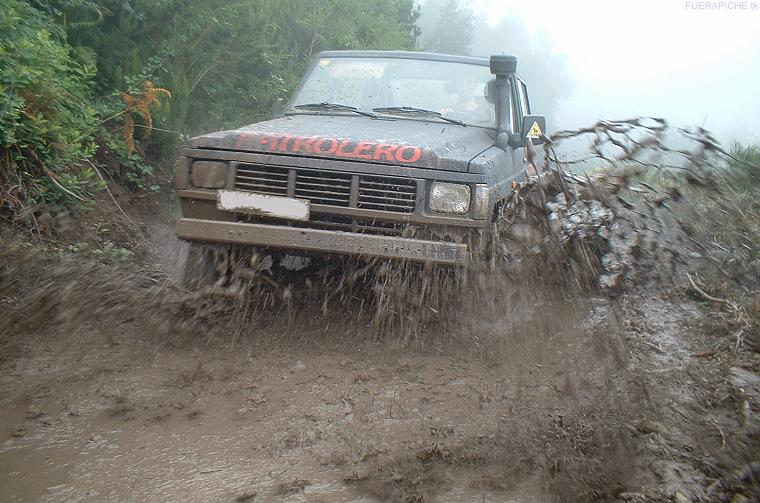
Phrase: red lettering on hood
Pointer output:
(271, 141)
(319, 144)
(412, 154)
(284, 143)
(304, 144)
(363, 150)
(387, 152)
(384, 152)
(342, 152)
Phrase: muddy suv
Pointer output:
(400, 155)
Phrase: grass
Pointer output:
(726, 224)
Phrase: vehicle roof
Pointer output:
(429, 56)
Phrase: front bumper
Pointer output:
(322, 241)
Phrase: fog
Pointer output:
(693, 63)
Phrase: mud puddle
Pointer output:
(165, 457)
(579, 399)
(110, 413)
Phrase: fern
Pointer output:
(88, 24)
(140, 104)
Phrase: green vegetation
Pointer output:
(746, 168)
(725, 225)
(87, 85)
(47, 112)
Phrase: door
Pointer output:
(524, 109)
(516, 114)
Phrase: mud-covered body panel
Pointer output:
(401, 142)
(500, 168)
(430, 152)
(360, 176)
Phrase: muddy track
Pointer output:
(582, 369)
(538, 398)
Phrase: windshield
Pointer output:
(455, 90)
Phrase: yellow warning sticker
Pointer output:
(535, 131)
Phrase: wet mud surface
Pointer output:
(585, 369)
(580, 400)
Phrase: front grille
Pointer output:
(330, 188)
(387, 194)
(323, 187)
(270, 180)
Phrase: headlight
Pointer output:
(209, 174)
(449, 198)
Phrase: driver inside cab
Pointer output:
(469, 101)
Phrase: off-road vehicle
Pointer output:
(398, 155)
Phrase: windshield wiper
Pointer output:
(417, 111)
(334, 106)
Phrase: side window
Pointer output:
(524, 104)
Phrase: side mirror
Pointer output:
(278, 108)
(533, 129)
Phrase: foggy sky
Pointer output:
(693, 63)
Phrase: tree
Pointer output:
(77, 73)
(227, 62)
(544, 70)
(447, 27)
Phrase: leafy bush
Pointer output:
(746, 166)
(226, 63)
(724, 224)
(75, 79)
(46, 115)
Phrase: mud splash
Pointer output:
(562, 232)
(125, 417)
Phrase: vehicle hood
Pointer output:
(401, 142)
